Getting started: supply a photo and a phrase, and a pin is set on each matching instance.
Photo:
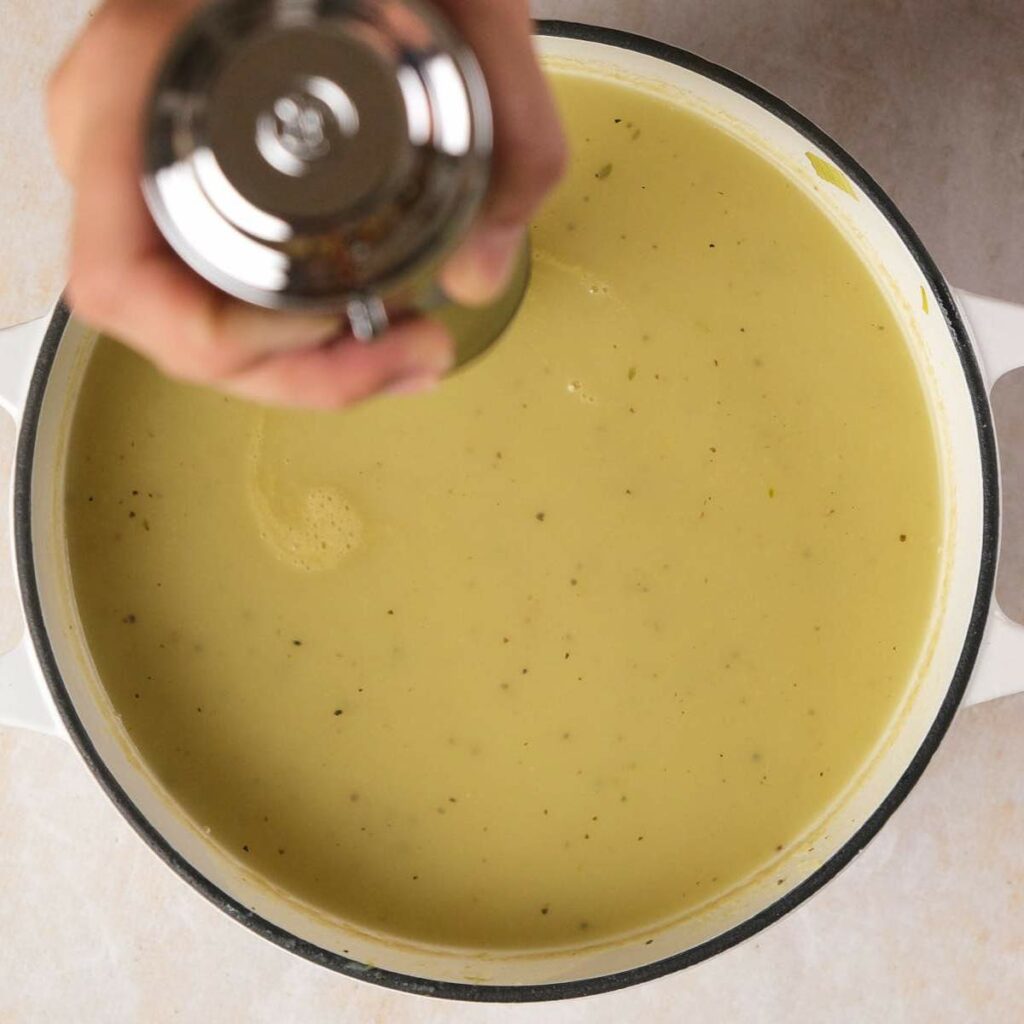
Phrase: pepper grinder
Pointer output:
(326, 156)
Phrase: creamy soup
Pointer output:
(582, 640)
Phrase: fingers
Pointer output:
(529, 147)
(412, 357)
(124, 279)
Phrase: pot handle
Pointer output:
(24, 699)
(19, 348)
(998, 331)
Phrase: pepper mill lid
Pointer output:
(317, 154)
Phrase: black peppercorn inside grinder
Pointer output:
(325, 156)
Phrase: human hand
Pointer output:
(125, 280)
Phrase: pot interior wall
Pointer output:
(920, 306)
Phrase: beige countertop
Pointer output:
(927, 925)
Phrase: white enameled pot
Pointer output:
(962, 344)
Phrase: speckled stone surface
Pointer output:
(926, 926)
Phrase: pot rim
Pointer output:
(22, 524)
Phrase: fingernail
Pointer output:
(481, 267)
(413, 384)
(429, 353)
(496, 252)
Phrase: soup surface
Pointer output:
(579, 641)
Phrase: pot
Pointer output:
(962, 344)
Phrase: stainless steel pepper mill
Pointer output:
(325, 155)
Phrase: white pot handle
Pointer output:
(998, 330)
(19, 348)
(24, 699)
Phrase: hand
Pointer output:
(126, 281)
